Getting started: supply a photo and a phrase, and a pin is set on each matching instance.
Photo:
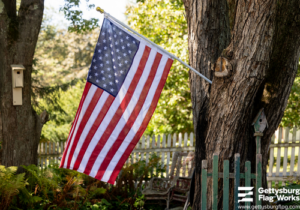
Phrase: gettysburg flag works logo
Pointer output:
(243, 195)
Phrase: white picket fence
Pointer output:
(284, 160)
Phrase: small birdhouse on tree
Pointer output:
(260, 122)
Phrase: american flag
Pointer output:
(124, 83)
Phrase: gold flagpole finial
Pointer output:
(100, 10)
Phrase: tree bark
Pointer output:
(21, 126)
(264, 53)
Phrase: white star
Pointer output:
(108, 69)
(115, 35)
(117, 81)
(120, 64)
(110, 83)
(109, 38)
(104, 40)
(106, 55)
(113, 59)
(127, 37)
(124, 54)
(116, 43)
(96, 74)
(126, 61)
(123, 47)
(99, 51)
(114, 67)
(98, 44)
(119, 57)
(109, 76)
(104, 85)
(115, 74)
(128, 45)
(103, 33)
(112, 53)
(103, 78)
(121, 40)
(97, 81)
(101, 65)
(102, 71)
(121, 72)
(100, 58)
(111, 90)
(94, 60)
(118, 50)
(107, 62)
(120, 33)
(110, 45)
(133, 42)
(129, 51)
(90, 77)
(95, 67)
(105, 48)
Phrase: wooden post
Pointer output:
(258, 178)
(236, 179)
(226, 185)
(204, 185)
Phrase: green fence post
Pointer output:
(236, 179)
(215, 177)
(247, 179)
(204, 185)
(226, 185)
(258, 178)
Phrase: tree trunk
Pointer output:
(261, 41)
(21, 126)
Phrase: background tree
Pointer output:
(21, 126)
(261, 41)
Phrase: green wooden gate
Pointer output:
(259, 124)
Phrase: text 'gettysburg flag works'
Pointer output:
(123, 86)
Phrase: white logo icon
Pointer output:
(243, 195)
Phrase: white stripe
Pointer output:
(123, 120)
(85, 105)
(118, 99)
(89, 125)
(138, 121)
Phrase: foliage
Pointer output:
(57, 188)
(74, 15)
(163, 22)
(292, 112)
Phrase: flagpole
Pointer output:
(171, 55)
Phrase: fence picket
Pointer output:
(191, 139)
(292, 163)
(163, 153)
(286, 140)
(278, 160)
(180, 140)
(158, 147)
(215, 182)
(236, 180)
(185, 139)
(143, 147)
(204, 185)
(248, 179)
(168, 155)
(226, 185)
(147, 146)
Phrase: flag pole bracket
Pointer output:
(100, 10)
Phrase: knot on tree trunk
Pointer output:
(222, 67)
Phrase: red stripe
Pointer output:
(131, 119)
(85, 92)
(119, 112)
(83, 122)
(93, 130)
(144, 124)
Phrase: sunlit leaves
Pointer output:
(163, 22)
